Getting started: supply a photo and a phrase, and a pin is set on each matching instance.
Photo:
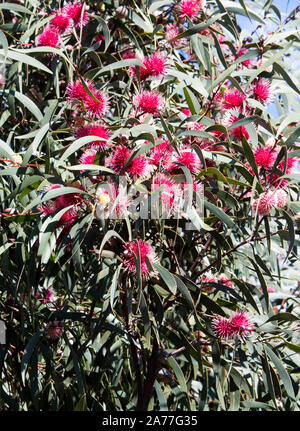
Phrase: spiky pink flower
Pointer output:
(222, 327)
(96, 108)
(76, 91)
(88, 156)
(54, 330)
(281, 197)
(291, 166)
(242, 324)
(154, 66)
(146, 253)
(237, 132)
(60, 24)
(173, 30)
(239, 325)
(262, 90)
(187, 157)
(265, 156)
(191, 8)
(149, 101)
(205, 283)
(223, 279)
(94, 130)
(265, 203)
(138, 167)
(74, 12)
(233, 99)
(160, 155)
(49, 37)
(240, 53)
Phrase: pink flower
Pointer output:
(60, 24)
(281, 197)
(186, 112)
(74, 12)
(205, 283)
(96, 108)
(138, 167)
(239, 325)
(154, 66)
(172, 30)
(149, 101)
(94, 130)
(242, 324)
(223, 279)
(54, 330)
(222, 327)
(191, 8)
(262, 90)
(146, 252)
(187, 157)
(236, 132)
(75, 90)
(49, 37)
(48, 295)
(265, 203)
(233, 99)
(265, 156)
(240, 53)
(160, 155)
(88, 156)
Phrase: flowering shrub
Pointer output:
(149, 206)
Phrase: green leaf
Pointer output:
(178, 373)
(220, 214)
(23, 58)
(167, 277)
(28, 351)
(285, 378)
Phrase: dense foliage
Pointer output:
(149, 205)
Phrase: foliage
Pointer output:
(106, 309)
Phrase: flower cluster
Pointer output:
(72, 14)
(239, 325)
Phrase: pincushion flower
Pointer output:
(262, 90)
(76, 91)
(94, 130)
(96, 108)
(154, 66)
(236, 132)
(49, 37)
(48, 295)
(173, 30)
(150, 102)
(187, 157)
(281, 197)
(146, 252)
(160, 155)
(137, 167)
(265, 156)
(223, 279)
(191, 8)
(88, 156)
(242, 324)
(265, 203)
(205, 282)
(74, 12)
(233, 99)
(223, 328)
(239, 325)
(60, 23)
(54, 330)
